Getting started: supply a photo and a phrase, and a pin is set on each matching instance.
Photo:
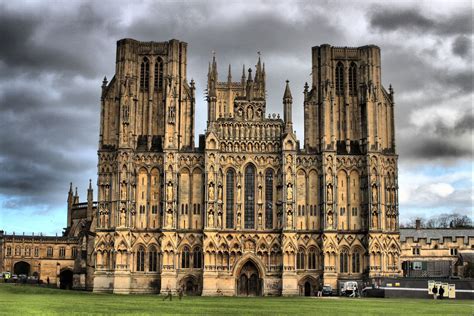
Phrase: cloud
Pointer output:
(412, 20)
(52, 67)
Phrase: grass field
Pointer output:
(27, 300)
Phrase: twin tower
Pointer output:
(249, 211)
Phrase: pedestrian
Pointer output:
(180, 293)
(441, 292)
(169, 295)
(47, 280)
(435, 292)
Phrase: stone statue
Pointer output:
(169, 218)
(219, 193)
(210, 219)
(289, 218)
(374, 194)
(238, 220)
(329, 193)
(169, 192)
(375, 219)
(219, 220)
(238, 192)
(211, 192)
(289, 192)
(122, 218)
(329, 219)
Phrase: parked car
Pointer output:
(327, 290)
(350, 288)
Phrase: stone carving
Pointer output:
(289, 219)
(329, 219)
(169, 192)
(210, 219)
(289, 192)
(329, 193)
(211, 192)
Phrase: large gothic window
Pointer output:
(144, 74)
(158, 83)
(353, 79)
(300, 259)
(197, 258)
(153, 260)
(343, 262)
(185, 258)
(229, 199)
(356, 262)
(312, 259)
(250, 197)
(339, 79)
(141, 259)
(269, 199)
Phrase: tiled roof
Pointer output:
(435, 233)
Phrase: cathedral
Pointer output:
(249, 211)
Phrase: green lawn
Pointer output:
(21, 300)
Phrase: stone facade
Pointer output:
(248, 212)
(64, 261)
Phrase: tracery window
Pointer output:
(312, 259)
(300, 256)
(269, 199)
(339, 79)
(197, 258)
(356, 262)
(185, 258)
(36, 251)
(229, 200)
(9, 251)
(17, 251)
(141, 259)
(353, 79)
(250, 197)
(343, 262)
(62, 252)
(49, 252)
(144, 74)
(153, 260)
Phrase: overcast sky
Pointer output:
(54, 55)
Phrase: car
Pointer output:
(327, 290)
(350, 289)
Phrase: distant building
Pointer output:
(63, 260)
(436, 252)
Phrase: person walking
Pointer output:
(169, 295)
(435, 292)
(441, 292)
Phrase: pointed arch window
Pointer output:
(158, 83)
(312, 259)
(343, 261)
(141, 259)
(144, 74)
(339, 79)
(249, 197)
(229, 198)
(185, 258)
(353, 79)
(269, 199)
(300, 259)
(356, 262)
(153, 260)
(197, 258)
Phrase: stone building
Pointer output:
(248, 212)
(58, 260)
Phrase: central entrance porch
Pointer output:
(249, 282)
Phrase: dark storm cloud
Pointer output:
(411, 19)
(462, 46)
(52, 62)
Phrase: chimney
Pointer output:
(418, 224)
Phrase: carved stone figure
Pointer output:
(169, 218)
(169, 192)
(122, 217)
(289, 219)
(329, 193)
(210, 219)
(329, 219)
(289, 192)
(211, 192)
(374, 194)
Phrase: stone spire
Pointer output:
(287, 108)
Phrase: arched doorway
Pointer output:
(21, 267)
(249, 282)
(65, 279)
(190, 286)
(307, 288)
(309, 285)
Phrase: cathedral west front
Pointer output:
(249, 211)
